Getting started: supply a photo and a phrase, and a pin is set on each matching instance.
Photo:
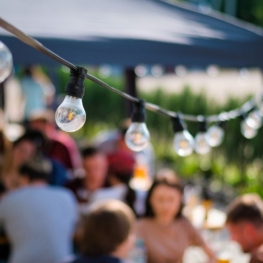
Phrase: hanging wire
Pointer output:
(34, 43)
(224, 116)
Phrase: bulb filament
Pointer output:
(70, 115)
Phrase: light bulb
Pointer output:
(6, 62)
(247, 130)
(70, 115)
(254, 120)
(137, 136)
(215, 135)
(183, 143)
(202, 143)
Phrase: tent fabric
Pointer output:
(129, 33)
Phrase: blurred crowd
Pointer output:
(101, 202)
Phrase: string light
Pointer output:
(215, 134)
(6, 62)
(137, 136)
(71, 116)
(202, 140)
(254, 119)
(246, 130)
(183, 142)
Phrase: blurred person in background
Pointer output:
(164, 230)
(107, 235)
(5, 148)
(60, 145)
(37, 90)
(245, 224)
(22, 150)
(4, 243)
(39, 220)
(120, 171)
(95, 168)
(32, 142)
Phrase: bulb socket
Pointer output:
(178, 124)
(243, 116)
(221, 124)
(138, 112)
(75, 86)
(203, 126)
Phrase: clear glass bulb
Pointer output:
(70, 115)
(183, 143)
(137, 136)
(254, 119)
(202, 143)
(215, 135)
(247, 130)
(6, 62)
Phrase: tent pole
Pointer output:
(130, 88)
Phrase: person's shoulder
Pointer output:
(64, 198)
(13, 196)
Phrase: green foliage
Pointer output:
(250, 11)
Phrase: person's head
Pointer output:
(28, 71)
(26, 146)
(95, 167)
(244, 221)
(168, 173)
(107, 229)
(164, 199)
(32, 71)
(121, 166)
(42, 120)
(37, 169)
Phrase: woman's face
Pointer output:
(165, 201)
